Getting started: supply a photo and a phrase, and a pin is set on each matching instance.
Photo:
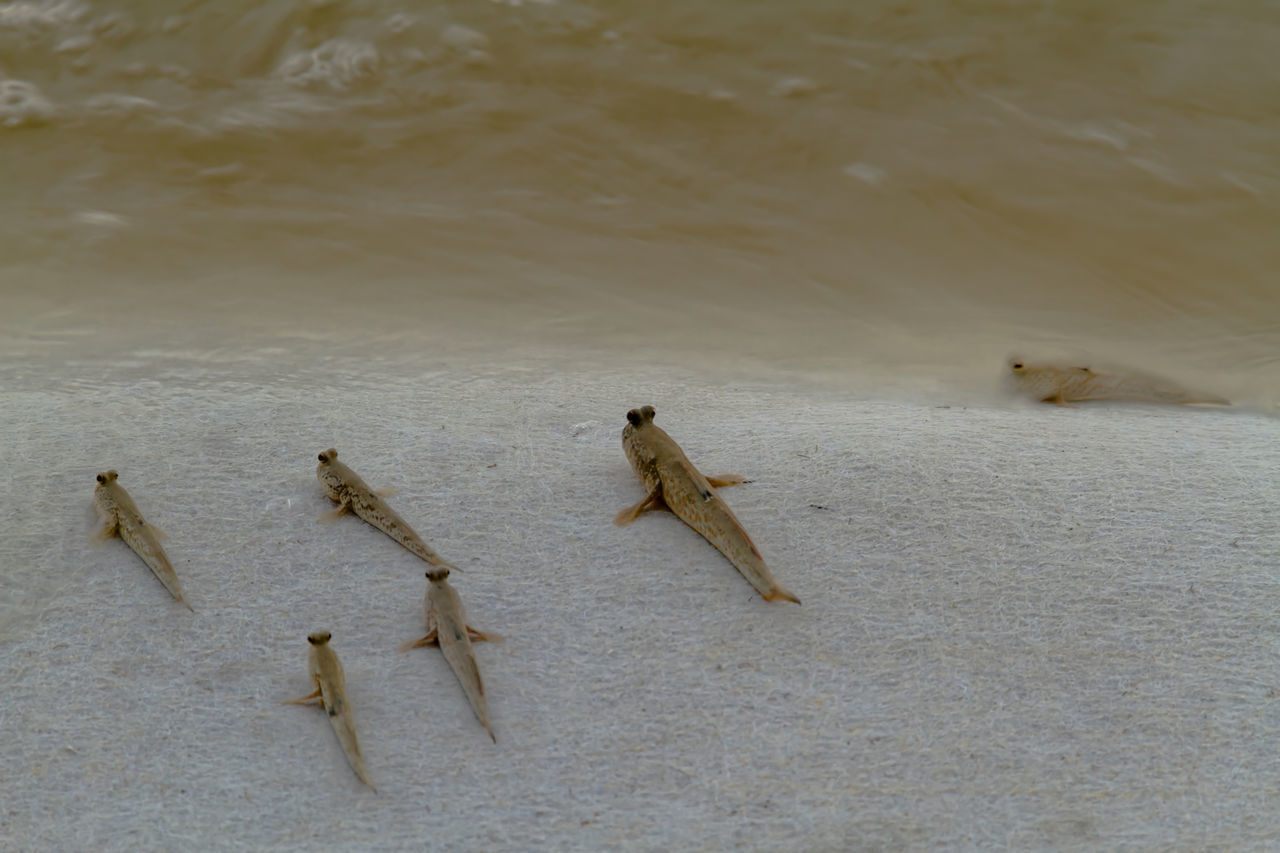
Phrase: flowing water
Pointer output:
(886, 189)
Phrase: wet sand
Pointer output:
(1023, 626)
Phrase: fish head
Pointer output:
(1020, 374)
(636, 418)
(635, 439)
(1036, 381)
(1022, 378)
(107, 477)
(319, 638)
(438, 575)
(641, 416)
(327, 458)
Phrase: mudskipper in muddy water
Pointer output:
(352, 494)
(120, 517)
(1065, 385)
(673, 483)
(331, 691)
(447, 627)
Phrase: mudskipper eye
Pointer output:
(634, 417)
(101, 479)
(1017, 365)
(323, 458)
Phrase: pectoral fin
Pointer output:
(483, 636)
(654, 501)
(386, 491)
(304, 700)
(429, 640)
(334, 514)
(107, 531)
(725, 480)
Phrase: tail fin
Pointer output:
(780, 594)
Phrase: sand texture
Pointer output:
(1022, 627)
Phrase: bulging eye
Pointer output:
(634, 417)
(323, 458)
(101, 479)
(1017, 365)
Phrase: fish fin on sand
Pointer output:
(304, 700)
(653, 501)
(157, 532)
(102, 534)
(334, 514)
(1057, 400)
(484, 636)
(386, 491)
(428, 640)
(725, 480)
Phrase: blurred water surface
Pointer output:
(884, 189)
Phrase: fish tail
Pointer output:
(169, 579)
(420, 549)
(729, 537)
(358, 766)
(780, 594)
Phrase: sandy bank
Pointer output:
(1022, 626)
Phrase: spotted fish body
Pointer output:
(672, 480)
(1064, 385)
(346, 489)
(331, 688)
(120, 517)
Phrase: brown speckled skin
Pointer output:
(331, 688)
(669, 476)
(346, 489)
(120, 516)
(1063, 385)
